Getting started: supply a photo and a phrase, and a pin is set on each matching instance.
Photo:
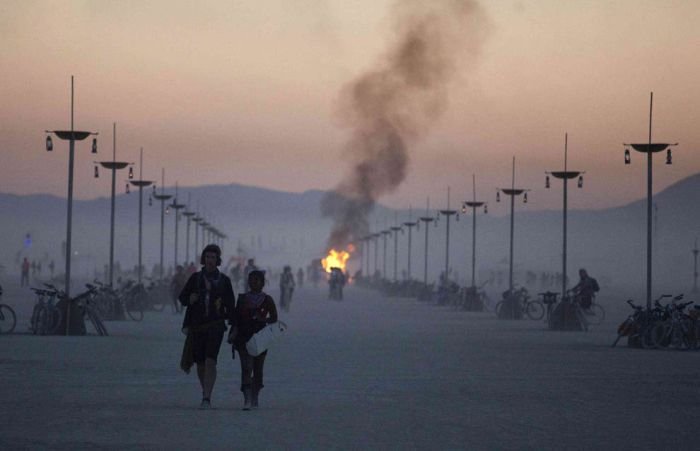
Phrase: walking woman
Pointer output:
(208, 296)
(254, 310)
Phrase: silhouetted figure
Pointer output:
(24, 281)
(300, 277)
(254, 310)
(286, 288)
(208, 296)
(336, 282)
(177, 283)
(586, 289)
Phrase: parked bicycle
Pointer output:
(86, 301)
(517, 304)
(8, 319)
(639, 325)
(677, 330)
(46, 316)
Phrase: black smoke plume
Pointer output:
(391, 106)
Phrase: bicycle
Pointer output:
(678, 330)
(515, 305)
(86, 301)
(594, 314)
(8, 319)
(46, 316)
(639, 325)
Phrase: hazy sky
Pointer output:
(247, 92)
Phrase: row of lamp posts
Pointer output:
(208, 231)
(648, 148)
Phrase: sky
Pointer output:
(248, 92)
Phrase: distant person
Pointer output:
(24, 281)
(236, 274)
(209, 299)
(177, 283)
(300, 277)
(254, 310)
(586, 289)
(286, 288)
(336, 281)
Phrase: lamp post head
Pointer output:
(97, 172)
(131, 172)
(627, 156)
(127, 188)
(49, 143)
(580, 181)
(94, 145)
(486, 209)
(546, 182)
(525, 198)
(498, 196)
(668, 156)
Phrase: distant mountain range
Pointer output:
(287, 228)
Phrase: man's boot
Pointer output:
(247, 398)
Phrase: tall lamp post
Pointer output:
(427, 220)
(197, 220)
(141, 184)
(177, 207)
(447, 213)
(188, 214)
(474, 204)
(71, 136)
(695, 266)
(410, 225)
(162, 197)
(512, 192)
(565, 176)
(649, 149)
(113, 166)
(396, 229)
(385, 236)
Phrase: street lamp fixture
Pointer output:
(565, 176)
(162, 197)
(71, 136)
(113, 166)
(512, 192)
(447, 213)
(140, 184)
(649, 148)
(474, 204)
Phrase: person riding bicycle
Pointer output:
(586, 289)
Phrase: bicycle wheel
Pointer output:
(661, 335)
(497, 310)
(54, 318)
(534, 310)
(596, 314)
(96, 322)
(8, 319)
(133, 308)
(42, 319)
(581, 317)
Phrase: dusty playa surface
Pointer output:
(367, 372)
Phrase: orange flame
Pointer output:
(336, 259)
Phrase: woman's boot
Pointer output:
(254, 399)
(247, 398)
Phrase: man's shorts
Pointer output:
(206, 344)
